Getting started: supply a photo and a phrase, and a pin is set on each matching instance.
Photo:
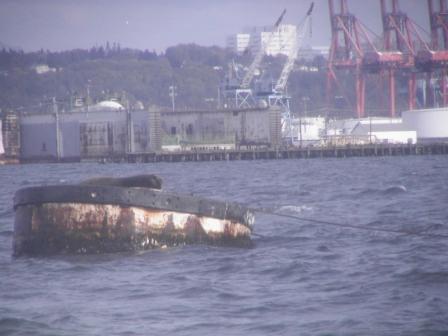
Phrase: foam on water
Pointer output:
(298, 209)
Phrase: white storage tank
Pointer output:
(430, 124)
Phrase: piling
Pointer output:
(370, 150)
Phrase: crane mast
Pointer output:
(247, 79)
(303, 29)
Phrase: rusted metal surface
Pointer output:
(80, 227)
(135, 197)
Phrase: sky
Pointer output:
(157, 24)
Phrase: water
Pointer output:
(299, 279)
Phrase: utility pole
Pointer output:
(130, 128)
(58, 130)
(88, 96)
(173, 94)
(304, 101)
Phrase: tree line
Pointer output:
(142, 75)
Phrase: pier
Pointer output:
(375, 150)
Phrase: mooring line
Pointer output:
(419, 233)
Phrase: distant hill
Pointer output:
(29, 81)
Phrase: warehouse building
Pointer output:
(240, 127)
(392, 133)
(76, 135)
(113, 132)
(431, 124)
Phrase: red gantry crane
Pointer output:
(399, 35)
(434, 61)
(345, 53)
(396, 55)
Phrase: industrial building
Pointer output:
(308, 53)
(272, 42)
(108, 130)
(317, 131)
(76, 135)
(415, 126)
(431, 125)
(306, 131)
(239, 43)
(240, 127)
(393, 133)
(282, 41)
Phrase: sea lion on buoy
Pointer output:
(137, 181)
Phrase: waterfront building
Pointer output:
(222, 128)
(431, 124)
(392, 133)
(308, 53)
(43, 69)
(255, 38)
(239, 43)
(369, 130)
(107, 130)
(71, 136)
(306, 130)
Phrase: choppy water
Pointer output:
(299, 279)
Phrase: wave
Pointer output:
(6, 233)
(19, 326)
(231, 296)
(9, 211)
(297, 209)
(395, 190)
(439, 167)
(424, 277)
(388, 191)
(282, 240)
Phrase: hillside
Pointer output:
(29, 81)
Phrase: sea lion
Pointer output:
(141, 181)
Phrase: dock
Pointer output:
(375, 150)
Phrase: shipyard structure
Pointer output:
(110, 131)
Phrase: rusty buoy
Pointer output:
(109, 217)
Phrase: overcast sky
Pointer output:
(158, 24)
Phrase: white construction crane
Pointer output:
(247, 79)
(302, 30)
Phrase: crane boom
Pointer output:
(292, 56)
(259, 56)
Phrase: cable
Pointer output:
(257, 235)
(428, 34)
(370, 30)
(350, 226)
